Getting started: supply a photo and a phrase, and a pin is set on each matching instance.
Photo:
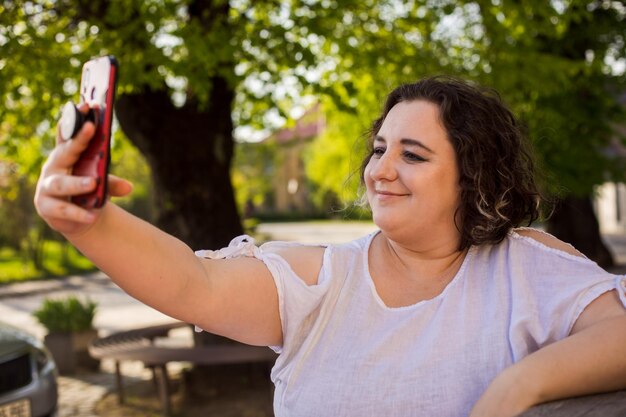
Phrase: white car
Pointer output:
(28, 376)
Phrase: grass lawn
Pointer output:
(14, 267)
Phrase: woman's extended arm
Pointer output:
(236, 298)
(591, 360)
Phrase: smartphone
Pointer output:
(97, 88)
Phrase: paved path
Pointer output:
(316, 232)
(118, 311)
(79, 394)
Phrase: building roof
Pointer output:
(309, 125)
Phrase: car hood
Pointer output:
(14, 340)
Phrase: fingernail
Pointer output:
(86, 182)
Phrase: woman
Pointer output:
(446, 311)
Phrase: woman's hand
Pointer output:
(508, 395)
(56, 185)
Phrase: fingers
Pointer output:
(53, 209)
(60, 185)
(119, 187)
(63, 185)
(67, 152)
(52, 203)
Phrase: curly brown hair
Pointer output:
(494, 157)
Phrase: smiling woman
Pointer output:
(450, 309)
(480, 139)
(411, 178)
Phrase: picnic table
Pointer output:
(139, 345)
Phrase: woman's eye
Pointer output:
(413, 157)
(378, 151)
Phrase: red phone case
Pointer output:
(98, 83)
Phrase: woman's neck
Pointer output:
(404, 276)
(434, 260)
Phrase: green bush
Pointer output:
(69, 315)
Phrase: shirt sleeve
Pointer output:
(551, 291)
(298, 302)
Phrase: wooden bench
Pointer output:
(612, 404)
(138, 345)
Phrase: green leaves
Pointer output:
(549, 60)
(66, 315)
(553, 72)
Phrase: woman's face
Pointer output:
(412, 177)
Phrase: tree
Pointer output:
(553, 62)
(193, 70)
(189, 70)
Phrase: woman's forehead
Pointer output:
(418, 119)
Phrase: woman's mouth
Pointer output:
(388, 195)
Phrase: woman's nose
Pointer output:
(383, 168)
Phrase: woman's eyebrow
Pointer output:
(406, 141)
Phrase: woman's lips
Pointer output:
(388, 195)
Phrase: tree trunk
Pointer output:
(189, 151)
(575, 222)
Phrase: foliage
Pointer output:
(31, 95)
(333, 161)
(253, 165)
(291, 45)
(269, 53)
(15, 206)
(127, 162)
(550, 60)
(57, 258)
(66, 315)
(552, 63)
(23, 231)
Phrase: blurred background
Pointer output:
(234, 112)
(233, 116)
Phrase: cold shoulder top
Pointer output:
(345, 353)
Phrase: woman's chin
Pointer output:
(385, 224)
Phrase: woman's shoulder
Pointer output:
(544, 241)
(534, 250)
(307, 261)
(304, 260)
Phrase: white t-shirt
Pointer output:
(345, 353)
